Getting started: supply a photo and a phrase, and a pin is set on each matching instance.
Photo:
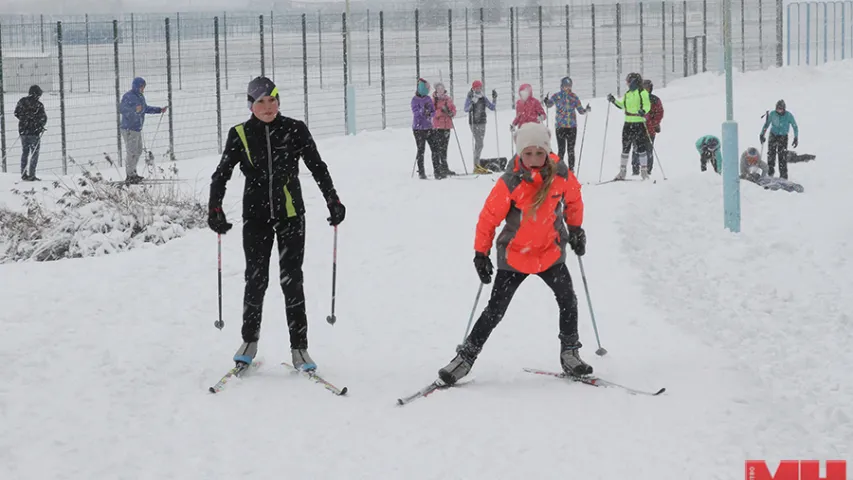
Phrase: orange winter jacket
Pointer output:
(530, 242)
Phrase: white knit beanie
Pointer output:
(532, 135)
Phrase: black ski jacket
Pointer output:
(268, 154)
(31, 116)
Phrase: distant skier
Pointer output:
(654, 117)
(709, 152)
(442, 123)
(780, 122)
(527, 109)
(273, 210)
(636, 104)
(133, 109)
(476, 104)
(537, 200)
(31, 122)
(566, 121)
(423, 111)
(754, 170)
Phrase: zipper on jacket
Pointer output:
(269, 162)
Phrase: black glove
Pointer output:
(577, 240)
(641, 112)
(337, 211)
(483, 264)
(587, 109)
(657, 128)
(795, 142)
(762, 138)
(216, 221)
(494, 95)
(445, 110)
(611, 98)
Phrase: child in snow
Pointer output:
(476, 104)
(423, 110)
(537, 200)
(780, 122)
(442, 123)
(754, 170)
(709, 151)
(273, 209)
(566, 122)
(528, 108)
(636, 104)
(31, 121)
(654, 117)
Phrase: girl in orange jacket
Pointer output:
(540, 200)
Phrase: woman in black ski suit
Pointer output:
(268, 147)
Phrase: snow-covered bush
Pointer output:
(93, 216)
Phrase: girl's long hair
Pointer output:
(547, 171)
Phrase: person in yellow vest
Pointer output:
(636, 104)
(268, 147)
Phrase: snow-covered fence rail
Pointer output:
(199, 64)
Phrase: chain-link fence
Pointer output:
(199, 64)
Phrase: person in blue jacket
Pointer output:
(709, 151)
(780, 122)
(133, 109)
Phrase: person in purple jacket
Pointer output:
(423, 110)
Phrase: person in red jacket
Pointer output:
(528, 108)
(540, 201)
(442, 122)
(653, 120)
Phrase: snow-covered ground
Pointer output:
(107, 360)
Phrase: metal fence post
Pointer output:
(684, 31)
(178, 28)
(320, 44)
(382, 64)
(63, 133)
(2, 109)
(663, 40)
(118, 91)
(618, 49)
(417, 44)
(541, 57)
(568, 45)
(672, 34)
(825, 32)
(88, 59)
(272, 44)
(369, 74)
(169, 91)
(467, 56)
(218, 82)
(450, 46)
(132, 44)
(705, 34)
(642, 50)
(592, 8)
(347, 106)
(225, 45)
(305, 65)
(482, 48)
(760, 35)
(742, 35)
(695, 55)
(779, 34)
(41, 31)
(261, 31)
(513, 31)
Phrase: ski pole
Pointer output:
(331, 318)
(461, 155)
(604, 145)
(655, 152)
(601, 351)
(473, 310)
(219, 323)
(583, 136)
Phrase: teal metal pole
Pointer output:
(731, 181)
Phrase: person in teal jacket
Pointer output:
(709, 151)
(780, 122)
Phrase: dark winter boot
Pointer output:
(459, 366)
(570, 358)
(246, 353)
(422, 175)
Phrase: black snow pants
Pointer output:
(258, 237)
(777, 146)
(421, 139)
(566, 138)
(505, 286)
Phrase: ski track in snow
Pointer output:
(108, 359)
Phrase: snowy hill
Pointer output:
(108, 359)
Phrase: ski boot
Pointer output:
(570, 359)
(302, 361)
(623, 170)
(246, 353)
(460, 366)
(644, 172)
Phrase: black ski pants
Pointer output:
(505, 286)
(566, 138)
(258, 237)
(440, 141)
(422, 137)
(634, 135)
(635, 159)
(777, 146)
